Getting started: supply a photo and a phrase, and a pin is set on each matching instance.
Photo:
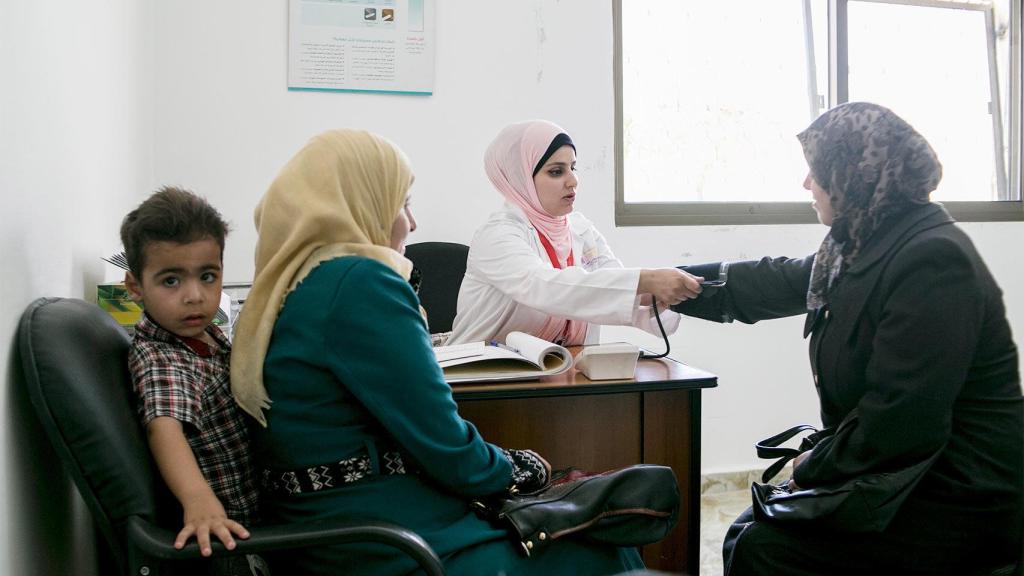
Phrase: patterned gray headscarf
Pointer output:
(873, 165)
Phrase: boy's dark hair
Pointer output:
(169, 215)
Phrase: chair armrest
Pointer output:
(151, 541)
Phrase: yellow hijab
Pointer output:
(338, 196)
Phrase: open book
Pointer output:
(520, 357)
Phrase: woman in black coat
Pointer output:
(909, 344)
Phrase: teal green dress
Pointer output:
(350, 371)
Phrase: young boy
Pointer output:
(174, 244)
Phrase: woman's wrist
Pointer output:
(643, 286)
(529, 470)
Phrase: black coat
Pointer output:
(915, 338)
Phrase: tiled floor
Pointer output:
(717, 511)
(723, 497)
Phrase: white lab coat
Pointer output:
(510, 284)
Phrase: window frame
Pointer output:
(690, 213)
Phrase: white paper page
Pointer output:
(535, 349)
(475, 351)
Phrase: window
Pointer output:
(710, 96)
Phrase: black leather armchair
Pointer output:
(442, 266)
(75, 362)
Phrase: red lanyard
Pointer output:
(551, 252)
(554, 262)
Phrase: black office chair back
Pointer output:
(75, 362)
(442, 266)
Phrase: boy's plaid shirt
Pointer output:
(189, 381)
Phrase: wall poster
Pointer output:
(361, 45)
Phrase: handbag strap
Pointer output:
(769, 447)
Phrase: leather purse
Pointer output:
(865, 503)
(629, 506)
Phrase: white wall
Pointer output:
(75, 150)
(226, 124)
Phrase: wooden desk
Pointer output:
(653, 418)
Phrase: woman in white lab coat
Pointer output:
(538, 267)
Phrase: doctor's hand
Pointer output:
(669, 285)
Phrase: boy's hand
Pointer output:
(204, 513)
(205, 516)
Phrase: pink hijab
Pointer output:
(509, 162)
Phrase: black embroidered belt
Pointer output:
(327, 476)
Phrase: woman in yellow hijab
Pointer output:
(333, 359)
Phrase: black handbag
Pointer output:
(629, 506)
(866, 503)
